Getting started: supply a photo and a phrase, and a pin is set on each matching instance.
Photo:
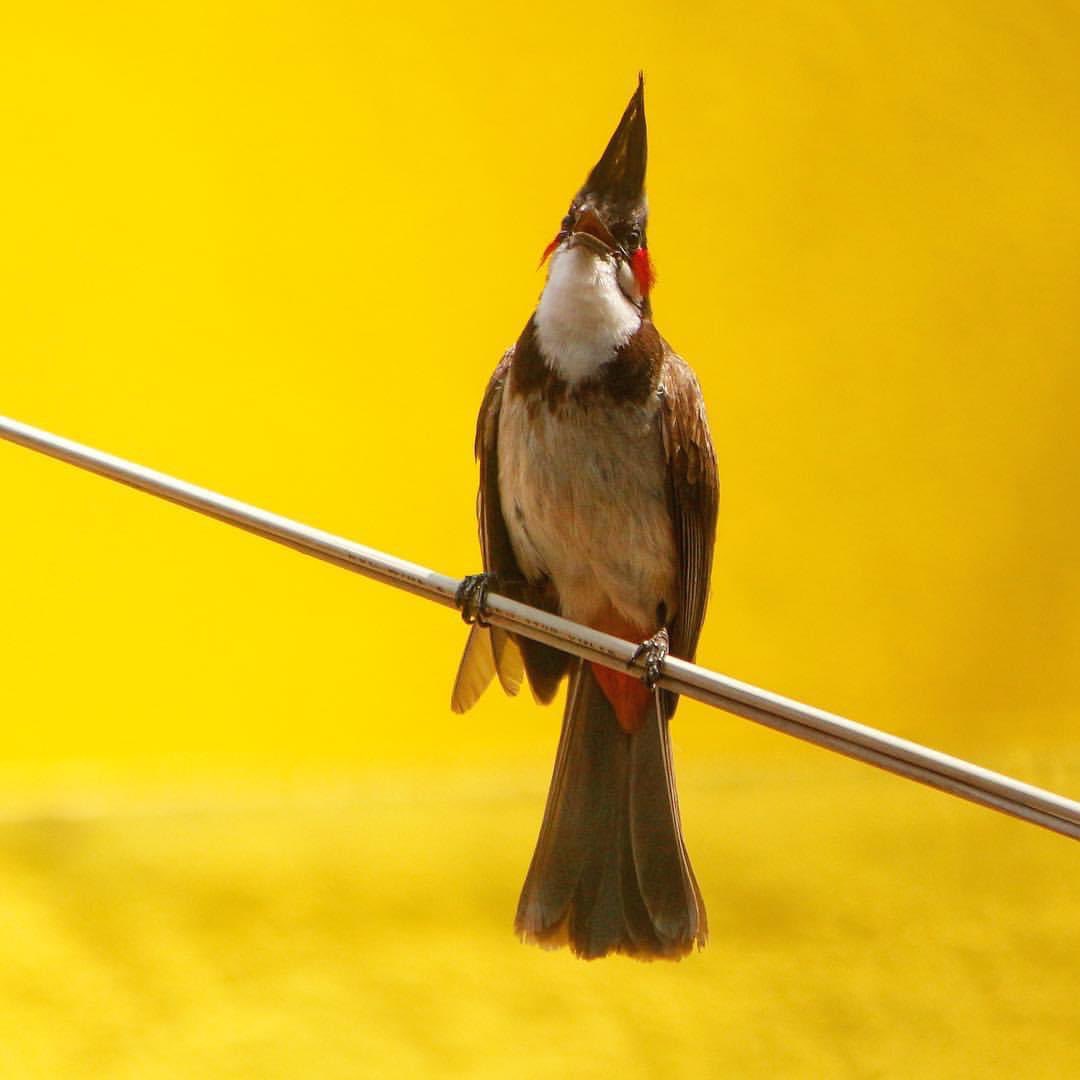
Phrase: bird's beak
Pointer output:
(589, 231)
(619, 176)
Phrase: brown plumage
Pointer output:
(598, 500)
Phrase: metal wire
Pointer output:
(896, 755)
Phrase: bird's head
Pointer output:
(607, 217)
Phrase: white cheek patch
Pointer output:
(583, 316)
(628, 283)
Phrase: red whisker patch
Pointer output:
(547, 251)
(644, 274)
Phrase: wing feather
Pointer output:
(496, 651)
(694, 496)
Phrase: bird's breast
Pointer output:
(583, 492)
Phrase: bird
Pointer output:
(598, 501)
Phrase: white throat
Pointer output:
(583, 318)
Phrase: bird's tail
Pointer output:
(610, 872)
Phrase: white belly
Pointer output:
(584, 499)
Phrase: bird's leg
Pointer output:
(654, 650)
(472, 594)
(471, 597)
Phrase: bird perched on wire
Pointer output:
(598, 500)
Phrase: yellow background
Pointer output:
(276, 249)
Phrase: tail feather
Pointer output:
(668, 885)
(610, 872)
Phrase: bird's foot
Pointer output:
(471, 597)
(654, 651)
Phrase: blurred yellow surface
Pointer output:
(277, 249)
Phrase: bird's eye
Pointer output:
(633, 238)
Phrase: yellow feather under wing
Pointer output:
(509, 664)
(488, 651)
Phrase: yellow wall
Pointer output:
(276, 249)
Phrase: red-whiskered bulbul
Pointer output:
(598, 500)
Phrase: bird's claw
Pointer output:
(654, 650)
(471, 597)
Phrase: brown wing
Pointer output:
(693, 493)
(490, 650)
(495, 546)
